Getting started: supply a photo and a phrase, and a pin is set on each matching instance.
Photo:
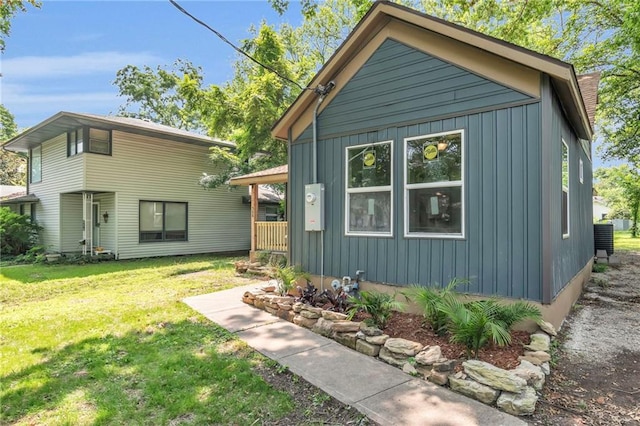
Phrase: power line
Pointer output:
(237, 49)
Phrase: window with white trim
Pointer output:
(35, 160)
(434, 185)
(565, 189)
(368, 207)
(163, 221)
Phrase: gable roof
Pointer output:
(589, 89)
(279, 174)
(64, 121)
(381, 21)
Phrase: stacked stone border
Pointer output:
(513, 391)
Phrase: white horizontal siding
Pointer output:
(143, 168)
(59, 175)
(71, 222)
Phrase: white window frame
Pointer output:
(567, 189)
(460, 183)
(386, 188)
(32, 177)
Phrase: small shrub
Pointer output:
(17, 233)
(431, 299)
(599, 267)
(287, 277)
(263, 257)
(379, 305)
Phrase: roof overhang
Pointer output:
(384, 15)
(64, 121)
(30, 198)
(278, 174)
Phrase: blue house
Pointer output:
(429, 151)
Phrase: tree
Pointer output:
(620, 187)
(12, 165)
(8, 9)
(155, 93)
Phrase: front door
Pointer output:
(95, 216)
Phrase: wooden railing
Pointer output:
(271, 236)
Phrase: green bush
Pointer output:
(17, 233)
(379, 305)
(431, 299)
(599, 267)
(287, 276)
(474, 324)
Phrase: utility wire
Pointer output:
(237, 49)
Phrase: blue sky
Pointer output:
(64, 56)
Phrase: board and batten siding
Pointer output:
(60, 174)
(145, 168)
(571, 254)
(501, 252)
(399, 84)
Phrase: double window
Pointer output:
(565, 190)
(163, 221)
(433, 185)
(97, 142)
(35, 171)
(369, 171)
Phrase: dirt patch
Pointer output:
(597, 377)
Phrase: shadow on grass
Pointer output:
(167, 373)
(42, 272)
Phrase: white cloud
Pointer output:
(29, 67)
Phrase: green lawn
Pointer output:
(111, 343)
(622, 241)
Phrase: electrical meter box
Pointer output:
(314, 207)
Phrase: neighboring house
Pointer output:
(600, 208)
(128, 186)
(9, 192)
(443, 153)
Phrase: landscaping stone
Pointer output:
(323, 327)
(539, 342)
(313, 309)
(409, 369)
(246, 299)
(370, 330)
(444, 365)
(541, 355)
(429, 355)
(532, 360)
(493, 376)
(297, 307)
(347, 339)
(268, 288)
(402, 346)
(473, 389)
(367, 348)
(377, 340)
(531, 373)
(343, 326)
(258, 303)
(545, 368)
(548, 328)
(284, 306)
(334, 316)
(439, 378)
(271, 310)
(390, 358)
(303, 321)
(361, 335)
(518, 404)
(309, 314)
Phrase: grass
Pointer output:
(622, 241)
(111, 343)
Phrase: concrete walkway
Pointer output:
(383, 393)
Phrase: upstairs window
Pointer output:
(100, 141)
(368, 189)
(75, 142)
(163, 221)
(565, 190)
(433, 191)
(35, 171)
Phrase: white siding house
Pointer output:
(129, 187)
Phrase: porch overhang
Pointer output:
(278, 174)
(24, 199)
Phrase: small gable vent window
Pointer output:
(100, 141)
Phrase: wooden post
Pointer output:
(254, 219)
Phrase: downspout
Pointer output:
(323, 91)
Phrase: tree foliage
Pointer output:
(17, 233)
(12, 165)
(620, 187)
(8, 9)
